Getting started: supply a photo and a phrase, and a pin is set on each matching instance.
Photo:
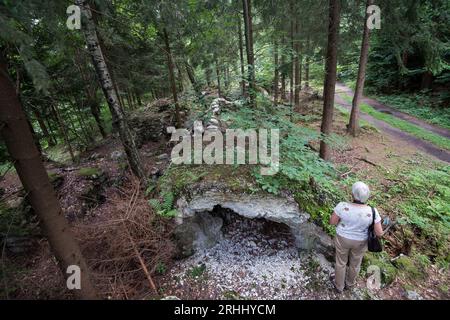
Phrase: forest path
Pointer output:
(396, 133)
(342, 88)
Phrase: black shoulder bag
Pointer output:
(373, 242)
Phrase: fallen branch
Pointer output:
(131, 205)
(368, 161)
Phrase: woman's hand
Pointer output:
(378, 229)
(334, 219)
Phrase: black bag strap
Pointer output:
(373, 217)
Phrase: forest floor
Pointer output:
(244, 265)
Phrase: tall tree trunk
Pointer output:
(247, 5)
(277, 73)
(191, 76)
(241, 55)
(173, 85)
(63, 129)
(226, 77)
(307, 61)
(138, 98)
(219, 89)
(94, 106)
(179, 78)
(353, 125)
(330, 76)
(307, 71)
(129, 100)
(208, 76)
(297, 67)
(292, 65)
(283, 73)
(92, 101)
(107, 85)
(26, 157)
(40, 120)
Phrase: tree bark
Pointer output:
(292, 65)
(297, 67)
(241, 55)
(277, 74)
(26, 158)
(330, 76)
(107, 85)
(62, 129)
(43, 126)
(191, 76)
(353, 126)
(173, 85)
(283, 73)
(219, 89)
(248, 25)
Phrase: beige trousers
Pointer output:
(349, 255)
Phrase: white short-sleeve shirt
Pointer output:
(354, 220)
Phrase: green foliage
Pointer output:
(425, 202)
(197, 271)
(164, 206)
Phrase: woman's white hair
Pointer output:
(361, 192)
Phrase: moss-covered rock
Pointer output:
(388, 270)
(410, 268)
(90, 172)
(56, 179)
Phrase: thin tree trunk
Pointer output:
(129, 100)
(292, 65)
(283, 73)
(191, 76)
(247, 5)
(226, 77)
(241, 55)
(138, 98)
(208, 76)
(297, 67)
(173, 85)
(110, 93)
(307, 71)
(42, 125)
(353, 126)
(62, 129)
(277, 73)
(179, 78)
(26, 157)
(307, 62)
(219, 89)
(330, 76)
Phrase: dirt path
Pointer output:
(341, 88)
(425, 146)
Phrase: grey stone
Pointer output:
(117, 155)
(255, 206)
(412, 295)
(163, 156)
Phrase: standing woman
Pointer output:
(352, 221)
